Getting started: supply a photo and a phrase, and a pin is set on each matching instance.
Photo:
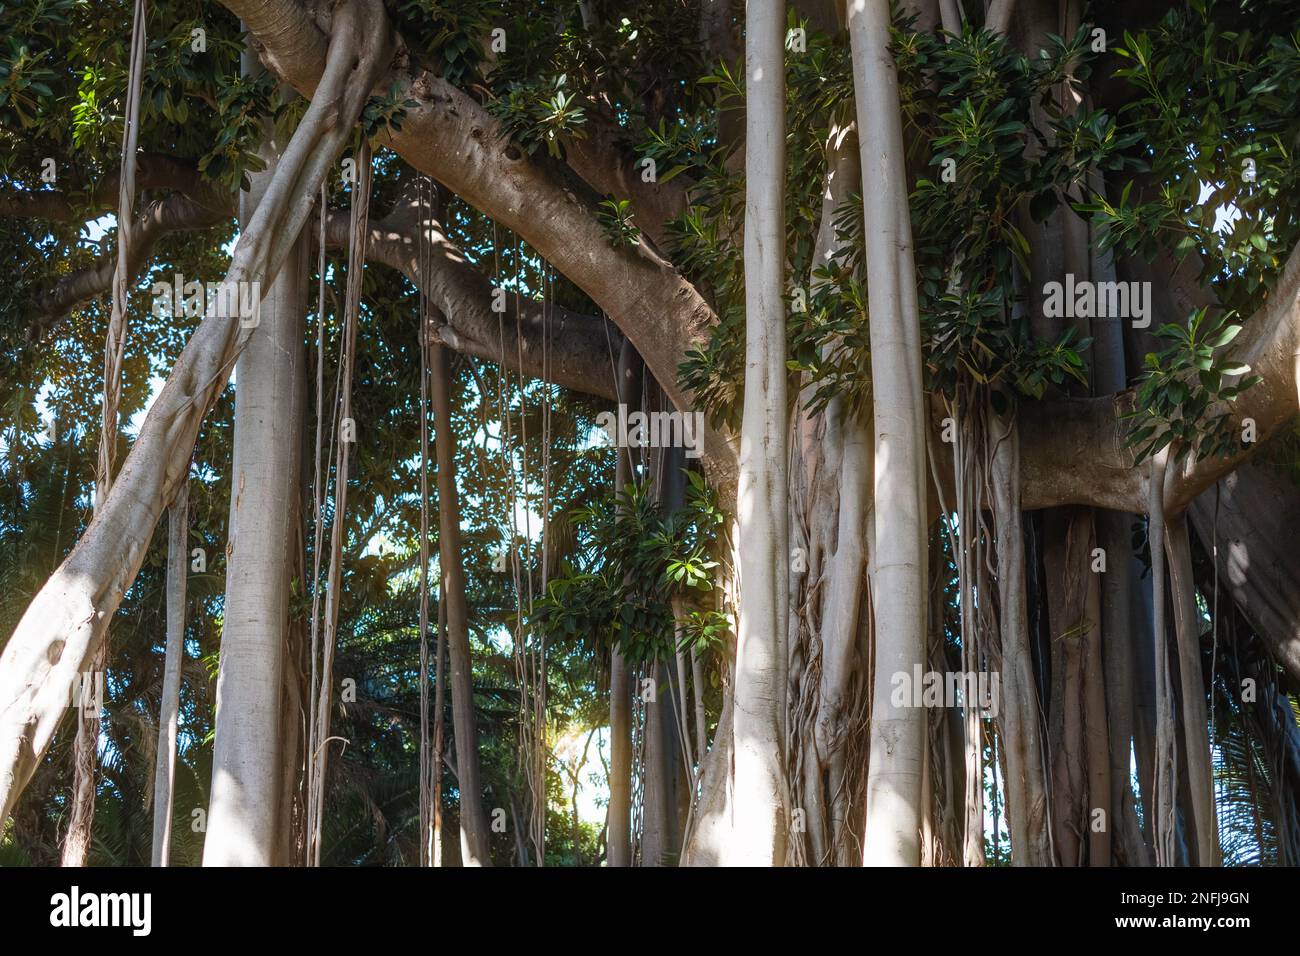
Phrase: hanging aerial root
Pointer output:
(65, 624)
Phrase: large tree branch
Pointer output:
(577, 347)
(1073, 450)
(153, 171)
(609, 168)
(195, 203)
(453, 138)
(174, 214)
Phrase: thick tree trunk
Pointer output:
(830, 503)
(898, 587)
(473, 821)
(760, 692)
(270, 377)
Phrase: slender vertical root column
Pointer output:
(76, 847)
(1164, 813)
(473, 821)
(760, 811)
(627, 382)
(164, 781)
(1187, 626)
(893, 823)
(85, 757)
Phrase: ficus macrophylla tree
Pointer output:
(871, 252)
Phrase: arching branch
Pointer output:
(153, 171)
(176, 213)
(1074, 453)
(579, 345)
(451, 137)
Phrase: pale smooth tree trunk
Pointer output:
(473, 821)
(1187, 626)
(164, 780)
(243, 811)
(897, 744)
(759, 811)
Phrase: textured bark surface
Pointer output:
(1026, 780)
(261, 544)
(1187, 625)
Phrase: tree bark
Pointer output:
(1187, 624)
(270, 381)
(897, 733)
(164, 781)
(760, 791)
(619, 840)
(473, 821)
(1026, 787)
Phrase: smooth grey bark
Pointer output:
(759, 809)
(261, 545)
(898, 583)
(711, 820)
(164, 780)
(1187, 623)
(473, 821)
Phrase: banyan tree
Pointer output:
(686, 432)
